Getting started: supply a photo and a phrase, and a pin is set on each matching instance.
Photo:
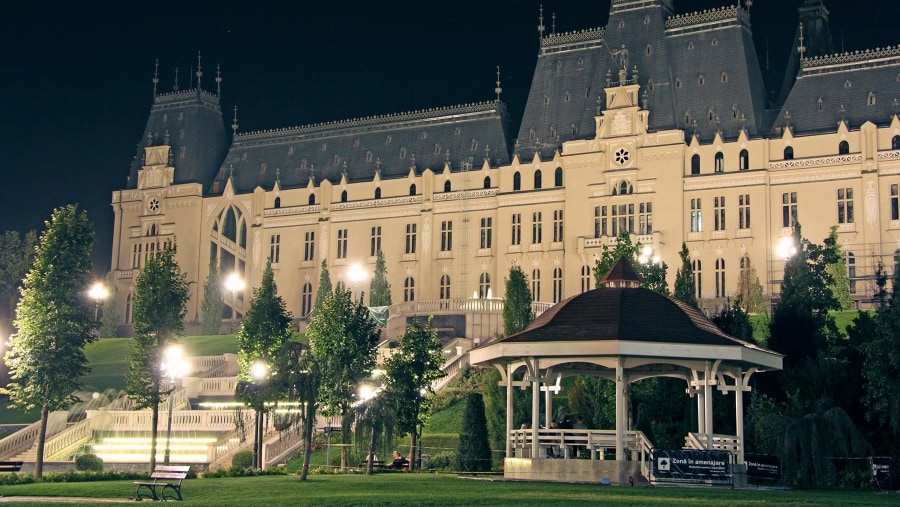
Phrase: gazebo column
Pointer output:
(535, 407)
(708, 402)
(739, 414)
(548, 407)
(509, 409)
(621, 410)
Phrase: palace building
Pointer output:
(658, 125)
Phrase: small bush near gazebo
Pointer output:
(88, 463)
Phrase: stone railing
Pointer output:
(182, 420)
(377, 203)
(63, 443)
(564, 441)
(850, 57)
(705, 17)
(728, 443)
(816, 161)
(292, 210)
(24, 439)
(465, 194)
(451, 370)
(218, 386)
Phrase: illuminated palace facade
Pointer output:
(659, 125)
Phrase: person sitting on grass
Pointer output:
(399, 463)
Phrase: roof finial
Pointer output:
(412, 162)
(498, 90)
(218, 81)
(155, 77)
(234, 123)
(175, 88)
(743, 120)
(541, 23)
(487, 153)
(278, 175)
(199, 71)
(230, 171)
(801, 48)
(896, 105)
(843, 111)
(312, 173)
(553, 24)
(787, 119)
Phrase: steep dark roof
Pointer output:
(622, 271)
(191, 122)
(624, 314)
(390, 144)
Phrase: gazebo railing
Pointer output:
(564, 442)
(718, 442)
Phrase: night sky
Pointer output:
(75, 76)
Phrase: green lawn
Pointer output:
(423, 489)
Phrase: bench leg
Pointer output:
(150, 489)
(173, 488)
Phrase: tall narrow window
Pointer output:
(409, 289)
(484, 285)
(487, 232)
(312, 199)
(720, 162)
(558, 177)
(128, 319)
(445, 287)
(536, 285)
(446, 235)
(788, 209)
(447, 186)
(537, 179)
(720, 278)
(557, 285)
(599, 221)
(375, 242)
(744, 160)
(342, 243)
(517, 181)
(719, 213)
(843, 148)
(277, 202)
(895, 202)
(344, 196)
(557, 225)
(851, 271)
(695, 164)
(696, 215)
(309, 245)
(487, 182)
(744, 211)
(536, 227)
(845, 205)
(895, 143)
(275, 248)
(410, 238)
(412, 189)
(698, 278)
(645, 218)
(306, 300)
(516, 229)
(789, 153)
(622, 218)
(378, 192)
(585, 278)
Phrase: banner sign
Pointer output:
(689, 465)
(881, 471)
(761, 466)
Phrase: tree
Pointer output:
(211, 305)
(264, 331)
(517, 312)
(325, 287)
(881, 362)
(411, 371)
(109, 320)
(342, 341)
(16, 256)
(750, 293)
(733, 320)
(474, 449)
(381, 289)
(653, 272)
(836, 266)
(158, 308)
(46, 355)
(685, 289)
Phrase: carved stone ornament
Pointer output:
(621, 124)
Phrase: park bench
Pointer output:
(166, 482)
(10, 466)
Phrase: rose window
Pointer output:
(621, 156)
(153, 205)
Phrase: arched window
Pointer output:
(585, 278)
(720, 278)
(695, 164)
(895, 143)
(517, 181)
(242, 235)
(277, 202)
(128, 309)
(698, 279)
(843, 148)
(484, 286)
(851, 271)
(306, 300)
(720, 162)
(557, 285)
(789, 153)
(537, 179)
(445, 287)
(744, 160)
(312, 199)
(558, 177)
(412, 189)
(623, 188)
(229, 228)
(447, 186)
(536, 285)
(344, 196)
(487, 182)
(409, 289)
(378, 192)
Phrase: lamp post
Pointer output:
(173, 366)
(98, 292)
(260, 371)
(234, 284)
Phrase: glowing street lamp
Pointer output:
(98, 292)
(260, 371)
(173, 366)
(234, 284)
(786, 248)
(357, 274)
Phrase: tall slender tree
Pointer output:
(380, 289)
(685, 289)
(211, 305)
(836, 266)
(750, 294)
(517, 312)
(474, 448)
(46, 355)
(160, 300)
(325, 286)
(109, 319)
(16, 255)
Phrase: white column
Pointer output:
(697, 386)
(739, 414)
(535, 408)
(548, 407)
(621, 411)
(708, 410)
(509, 409)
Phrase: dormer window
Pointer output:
(324, 146)
(870, 100)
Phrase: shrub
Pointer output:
(89, 463)
(243, 459)
(443, 460)
(474, 449)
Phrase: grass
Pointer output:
(424, 489)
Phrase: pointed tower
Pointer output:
(812, 39)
